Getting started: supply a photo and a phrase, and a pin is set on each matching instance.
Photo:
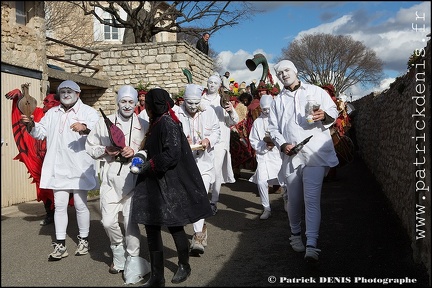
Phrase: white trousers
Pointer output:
(110, 221)
(304, 186)
(264, 195)
(198, 225)
(61, 219)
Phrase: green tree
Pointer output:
(334, 59)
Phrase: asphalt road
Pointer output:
(361, 238)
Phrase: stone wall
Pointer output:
(29, 40)
(160, 64)
(392, 133)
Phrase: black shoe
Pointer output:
(113, 270)
(183, 272)
(46, 221)
(214, 208)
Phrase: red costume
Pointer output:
(242, 154)
(31, 151)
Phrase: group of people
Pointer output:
(187, 157)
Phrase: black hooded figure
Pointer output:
(170, 191)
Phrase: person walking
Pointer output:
(202, 130)
(67, 168)
(31, 151)
(290, 122)
(242, 154)
(269, 160)
(170, 191)
(202, 44)
(227, 117)
(117, 185)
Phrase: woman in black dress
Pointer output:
(170, 191)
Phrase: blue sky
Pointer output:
(385, 27)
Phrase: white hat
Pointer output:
(69, 84)
(127, 91)
(265, 101)
(285, 64)
(215, 79)
(193, 91)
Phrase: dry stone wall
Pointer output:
(393, 133)
(160, 64)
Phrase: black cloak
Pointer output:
(170, 192)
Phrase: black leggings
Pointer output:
(154, 239)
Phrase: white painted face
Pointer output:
(286, 75)
(68, 97)
(126, 106)
(192, 105)
(266, 111)
(213, 86)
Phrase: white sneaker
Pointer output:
(265, 215)
(312, 254)
(196, 246)
(82, 248)
(204, 241)
(297, 243)
(59, 252)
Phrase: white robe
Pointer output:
(67, 165)
(114, 187)
(203, 125)
(269, 162)
(288, 124)
(222, 149)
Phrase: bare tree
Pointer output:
(62, 18)
(334, 59)
(148, 18)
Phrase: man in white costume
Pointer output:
(269, 160)
(117, 184)
(203, 133)
(303, 172)
(67, 168)
(227, 116)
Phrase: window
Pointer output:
(110, 33)
(21, 15)
(24, 11)
(107, 33)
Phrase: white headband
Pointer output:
(69, 84)
(193, 91)
(285, 64)
(127, 91)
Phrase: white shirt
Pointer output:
(288, 124)
(116, 187)
(269, 162)
(67, 164)
(203, 125)
(226, 120)
(143, 115)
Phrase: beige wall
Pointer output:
(385, 125)
(160, 64)
(22, 46)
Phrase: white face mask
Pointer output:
(126, 106)
(287, 76)
(192, 105)
(212, 87)
(68, 97)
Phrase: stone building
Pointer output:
(99, 70)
